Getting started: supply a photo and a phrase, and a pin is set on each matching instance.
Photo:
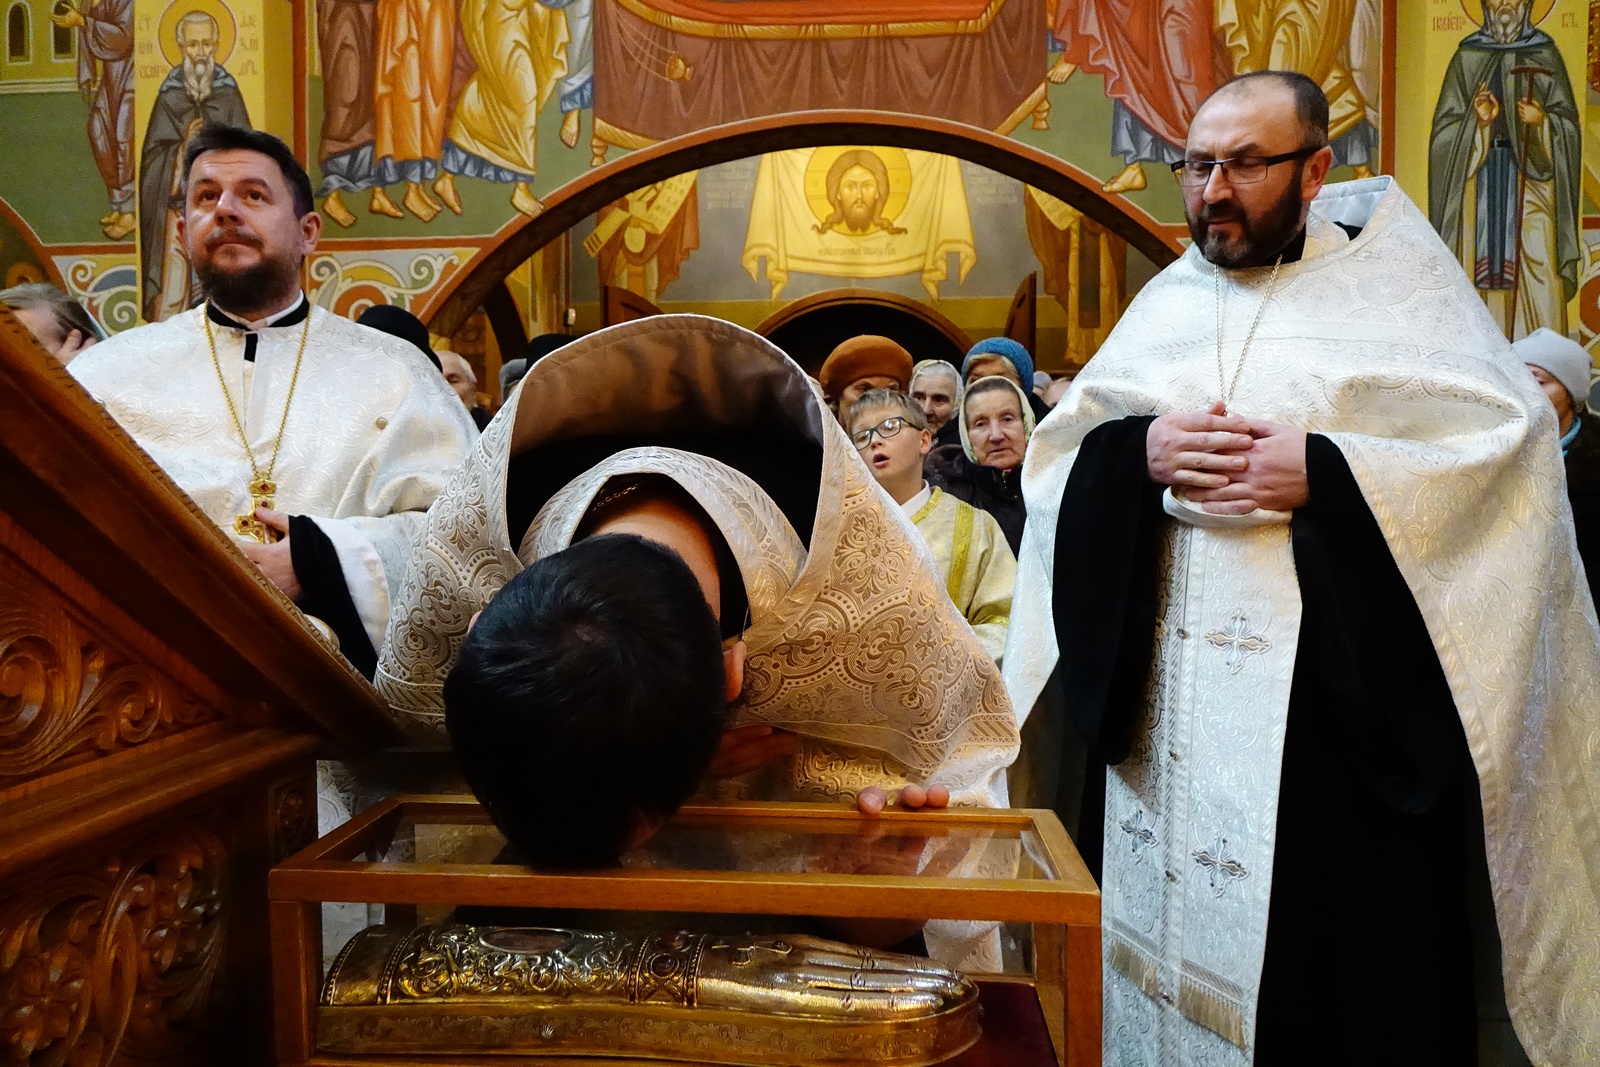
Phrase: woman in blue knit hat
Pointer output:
(1008, 359)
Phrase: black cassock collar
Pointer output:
(293, 317)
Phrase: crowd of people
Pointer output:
(1315, 630)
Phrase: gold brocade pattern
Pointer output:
(854, 644)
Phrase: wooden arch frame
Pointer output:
(481, 283)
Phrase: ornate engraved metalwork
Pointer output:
(121, 957)
(66, 695)
(773, 1001)
(667, 969)
(442, 962)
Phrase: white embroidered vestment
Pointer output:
(1379, 343)
(853, 645)
(371, 436)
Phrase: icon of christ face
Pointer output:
(859, 198)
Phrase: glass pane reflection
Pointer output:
(815, 846)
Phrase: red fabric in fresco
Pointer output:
(816, 12)
(1156, 55)
(980, 78)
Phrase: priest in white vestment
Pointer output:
(1332, 640)
(286, 424)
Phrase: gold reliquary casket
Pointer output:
(792, 1000)
(728, 939)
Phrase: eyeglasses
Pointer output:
(1240, 170)
(886, 429)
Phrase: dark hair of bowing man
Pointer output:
(589, 699)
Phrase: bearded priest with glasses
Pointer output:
(1333, 645)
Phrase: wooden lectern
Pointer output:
(161, 706)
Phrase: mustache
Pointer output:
(1220, 212)
(235, 235)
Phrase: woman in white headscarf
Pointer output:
(995, 423)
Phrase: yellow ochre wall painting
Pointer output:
(430, 125)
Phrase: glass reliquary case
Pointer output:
(733, 937)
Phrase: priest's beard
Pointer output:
(198, 76)
(1260, 240)
(244, 291)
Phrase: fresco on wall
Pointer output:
(347, 32)
(104, 29)
(197, 39)
(20, 259)
(1085, 268)
(852, 212)
(936, 229)
(670, 67)
(349, 283)
(1588, 302)
(66, 76)
(106, 284)
(1505, 158)
(640, 242)
(432, 124)
(1161, 58)
(419, 92)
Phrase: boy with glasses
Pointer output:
(969, 549)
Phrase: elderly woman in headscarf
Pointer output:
(1009, 359)
(985, 470)
(1563, 369)
(936, 388)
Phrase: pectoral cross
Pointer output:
(263, 494)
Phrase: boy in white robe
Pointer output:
(969, 549)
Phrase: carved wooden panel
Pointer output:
(157, 706)
(293, 806)
(67, 694)
(119, 956)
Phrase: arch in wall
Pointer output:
(23, 257)
(19, 46)
(63, 42)
(809, 328)
(483, 279)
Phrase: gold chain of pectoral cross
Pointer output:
(1223, 383)
(263, 490)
